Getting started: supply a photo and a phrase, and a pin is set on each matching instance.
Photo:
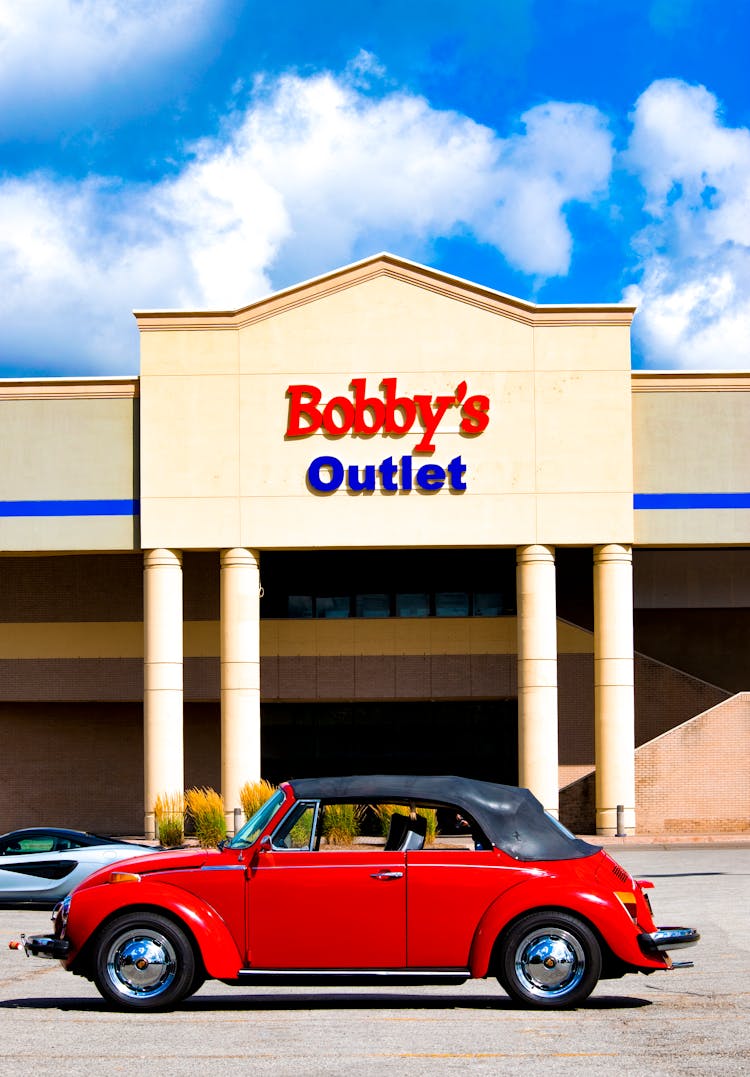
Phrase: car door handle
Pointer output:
(387, 875)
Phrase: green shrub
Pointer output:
(385, 811)
(253, 795)
(206, 809)
(342, 823)
(169, 811)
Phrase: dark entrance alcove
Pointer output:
(477, 739)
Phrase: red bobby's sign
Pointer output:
(388, 413)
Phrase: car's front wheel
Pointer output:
(144, 961)
(550, 960)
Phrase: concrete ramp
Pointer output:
(696, 778)
(692, 779)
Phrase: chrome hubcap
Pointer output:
(549, 963)
(141, 963)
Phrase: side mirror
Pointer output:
(265, 844)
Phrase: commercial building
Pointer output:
(386, 520)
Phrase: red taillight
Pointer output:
(628, 899)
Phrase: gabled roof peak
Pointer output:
(396, 267)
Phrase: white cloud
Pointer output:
(313, 173)
(56, 53)
(694, 256)
(73, 259)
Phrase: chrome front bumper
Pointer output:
(44, 946)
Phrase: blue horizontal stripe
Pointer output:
(691, 501)
(110, 507)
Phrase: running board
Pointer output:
(351, 977)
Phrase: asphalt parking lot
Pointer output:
(694, 1021)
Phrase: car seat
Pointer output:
(405, 833)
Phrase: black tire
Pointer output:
(144, 961)
(198, 981)
(549, 960)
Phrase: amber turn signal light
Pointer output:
(124, 877)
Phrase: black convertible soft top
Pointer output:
(512, 818)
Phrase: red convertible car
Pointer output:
(520, 899)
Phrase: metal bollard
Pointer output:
(620, 832)
(237, 819)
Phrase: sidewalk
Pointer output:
(739, 840)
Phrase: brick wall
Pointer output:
(696, 778)
(81, 765)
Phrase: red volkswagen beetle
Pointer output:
(520, 899)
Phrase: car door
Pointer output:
(34, 870)
(324, 908)
(449, 890)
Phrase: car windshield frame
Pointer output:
(257, 823)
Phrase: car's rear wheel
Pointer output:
(144, 961)
(550, 960)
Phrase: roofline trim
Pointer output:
(696, 381)
(69, 388)
(385, 264)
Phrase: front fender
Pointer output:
(598, 906)
(91, 907)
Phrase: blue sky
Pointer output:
(203, 153)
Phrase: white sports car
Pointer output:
(41, 865)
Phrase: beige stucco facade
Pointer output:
(217, 469)
(490, 422)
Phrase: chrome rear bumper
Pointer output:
(657, 943)
(672, 938)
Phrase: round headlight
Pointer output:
(64, 909)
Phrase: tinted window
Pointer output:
(300, 606)
(451, 604)
(40, 844)
(413, 605)
(487, 604)
(337, 606)
(373, 606)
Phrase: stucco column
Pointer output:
(537, 674)
(240, 675)
(162, 678)
(614, 707)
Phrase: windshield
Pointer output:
(257, 823)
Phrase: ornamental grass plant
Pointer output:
(206, 808)
(342, 823)
(385, 811)
(169, 812)
(253, 795)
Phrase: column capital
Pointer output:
(240, 555)
(162, 558)
(526, 555)
(613, 552)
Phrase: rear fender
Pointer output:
(601, 909)
(92, 907)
